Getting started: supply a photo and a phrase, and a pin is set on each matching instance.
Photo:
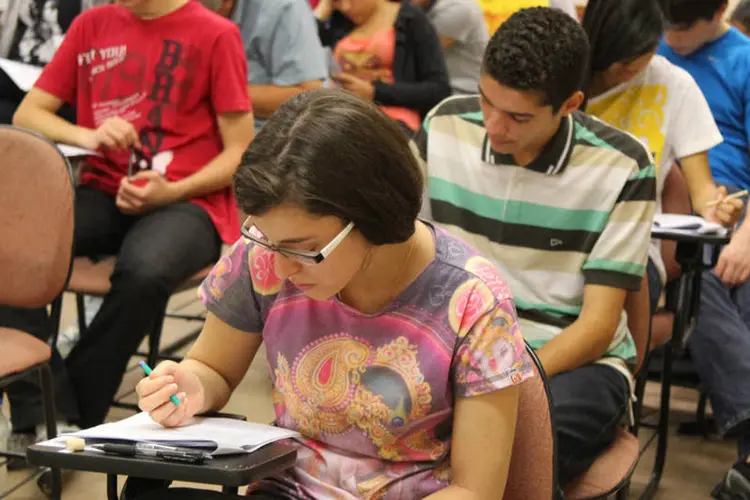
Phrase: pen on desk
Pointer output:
(153, 450)
(148, 371)
(738, 194)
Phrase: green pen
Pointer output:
(148, 371)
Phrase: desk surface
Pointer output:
(235, 470)
(711, 239)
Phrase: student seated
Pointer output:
(660, 104)
(388, 53)
(699, 40)
(177, 113)
(740, 18)
(31, 32)
(563, 205)
(463, 35)
(283, 51)
(361, 307)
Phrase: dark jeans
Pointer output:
(654, 285)
(155, 253)
(588, 404)
(720, 348)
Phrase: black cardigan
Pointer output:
(420, 76)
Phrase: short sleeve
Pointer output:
(618, 258)
(229, 74)
(60, 75)
(238, 286)
(455, 20)
(692, 128)
(492, 355)
(296, 54)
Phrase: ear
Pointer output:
(573, 103)
(721, 12)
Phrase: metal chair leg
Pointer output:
(81, 313)
(48, 399)
(154, 339)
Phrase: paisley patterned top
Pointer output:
(373, 394)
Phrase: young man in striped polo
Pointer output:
(562, 203)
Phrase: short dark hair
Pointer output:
(621, 30)
(542, 50)
(685, 13)
(741, 13)
(332, 153)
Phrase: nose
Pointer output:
(284, 267)
(496, 124)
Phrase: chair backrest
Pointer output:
(36, 228)
(532, 474)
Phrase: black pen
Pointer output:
(151, 450)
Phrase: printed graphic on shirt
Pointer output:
(170, 77)
(41, 31)
(366, 65)
(640, 111)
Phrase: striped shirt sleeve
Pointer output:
(620, 254)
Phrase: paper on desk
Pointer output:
(75, 152)
(23, 75)
(220, 436)
(687, 224)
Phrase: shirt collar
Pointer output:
(553, 158)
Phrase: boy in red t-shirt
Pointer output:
(160, 88)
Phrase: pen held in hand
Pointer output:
(148, 371)
(738, 194)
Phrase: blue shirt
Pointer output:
(281, 43)
(722, 70)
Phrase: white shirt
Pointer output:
(666, 110)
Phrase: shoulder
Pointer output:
(663, 72)
(608, 143)
(466, 107)
(211, 22)
(469, 267)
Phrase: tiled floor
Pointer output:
(693, 466)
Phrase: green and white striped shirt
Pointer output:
(579, 214)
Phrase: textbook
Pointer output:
(217, 436)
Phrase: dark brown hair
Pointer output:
(332, 153)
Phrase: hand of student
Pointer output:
(168, 379)
(726, 212)
(733, 267)
(357, 86)
(114, 133)
(145, 191)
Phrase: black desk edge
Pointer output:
(234, 471)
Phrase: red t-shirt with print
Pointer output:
(169, 77)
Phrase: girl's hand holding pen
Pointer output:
(167, 380)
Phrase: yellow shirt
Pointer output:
(497, 11)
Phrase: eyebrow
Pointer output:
(511, 113)
(294, 241)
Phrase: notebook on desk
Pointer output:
(687, 224)
(218, 436)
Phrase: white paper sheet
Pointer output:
(686, 224)
(220, 436)
(75, 152)
(23, 75)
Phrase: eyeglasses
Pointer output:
(252, 233)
